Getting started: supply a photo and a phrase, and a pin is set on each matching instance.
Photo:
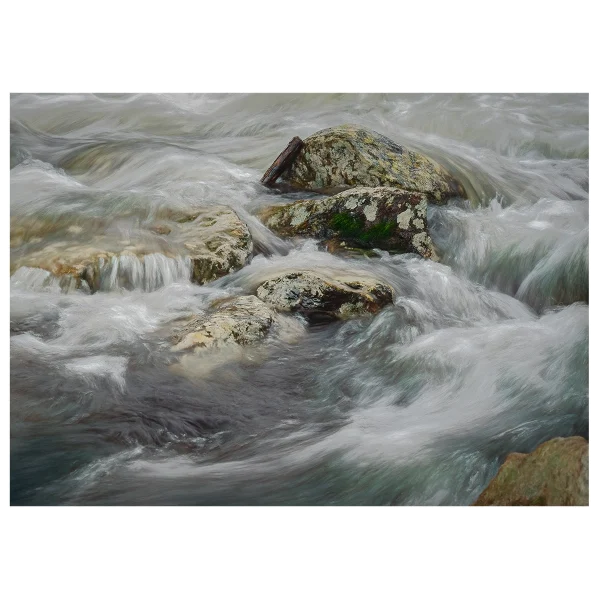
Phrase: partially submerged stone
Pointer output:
(217, 241)
(381, 217)
(348, 156)
(209, 242)
(556, 473)
(241, 331)
(243, 320)
(319, 297)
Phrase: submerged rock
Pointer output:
(96, 161)
(241, 321)
(556, 473)
(319, 297)
(202, 244)
(348, 156)
(382, 217)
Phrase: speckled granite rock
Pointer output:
(319, 297)
(556, 473)
(348, 156)
(217, 241)
(381, 217)
(243, 320)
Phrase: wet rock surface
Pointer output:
(217, 241)
(207, 242)
(322, 298)
(382, 217)
(242, 321)
(556, 473)
(338, 158)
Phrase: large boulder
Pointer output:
(206, 243)
(348, 156)
(382, 217)
(556, 473)
(319, 297)
(243, 320)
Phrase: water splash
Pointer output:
(148, 273)
(537, 253)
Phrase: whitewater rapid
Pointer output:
(483, 354)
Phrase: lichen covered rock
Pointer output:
(382, 217)
(556, 473)
(243, 320)
(348, 156)
(217, 241)
(319, 297)
(206, 242)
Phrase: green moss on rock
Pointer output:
(383, 217)
(378, 233)
(351, 228)
(346, 225)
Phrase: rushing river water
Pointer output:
(482, 354)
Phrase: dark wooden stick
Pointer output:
(282, 162)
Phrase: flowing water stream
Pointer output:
(483, 354)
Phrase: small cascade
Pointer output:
(147, 273)
(34, 279)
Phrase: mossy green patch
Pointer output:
(346, 225)
(380, 231)
(352, 228)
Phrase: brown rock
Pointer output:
(556, 473)
(207, 242)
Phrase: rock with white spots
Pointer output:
(348, 156)
(238, 332)
(240, 321)
(382, 217)
(217, 241)
(320, 297)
